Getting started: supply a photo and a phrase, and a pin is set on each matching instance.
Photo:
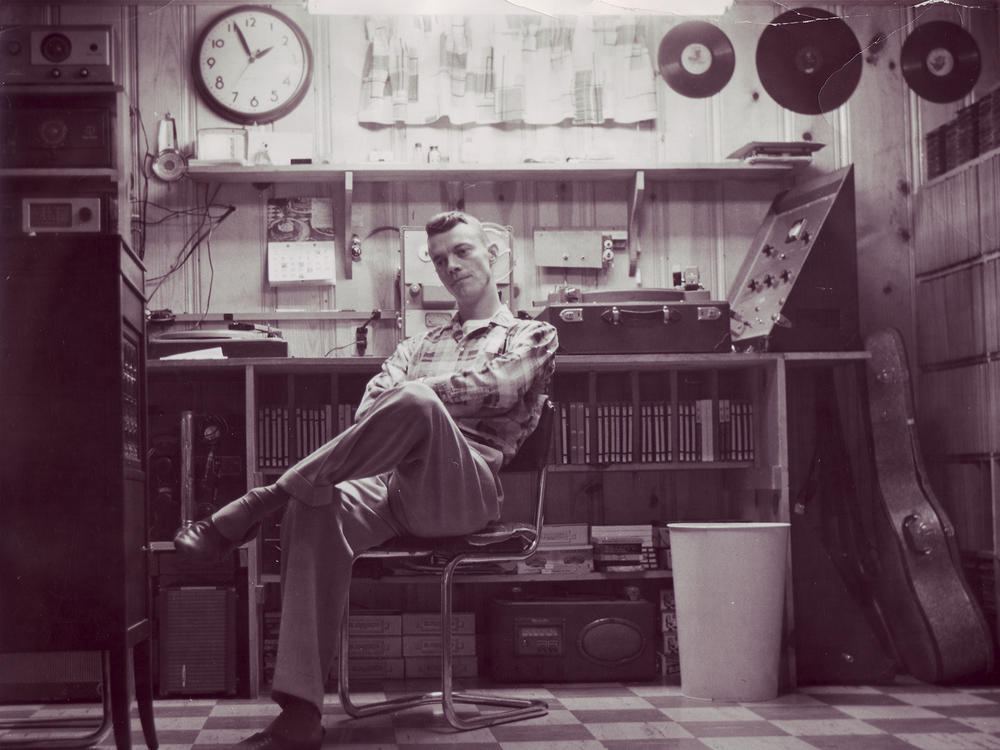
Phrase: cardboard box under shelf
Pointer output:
(430, 666)
(564, 535)
(375, 623)
(429, 623)
(570, 559)
(388, 668)
(375, 646)
(430, 645)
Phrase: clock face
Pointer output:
(252, 64)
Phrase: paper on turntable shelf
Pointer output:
(696, 59)
(809, 60)
(940, 61)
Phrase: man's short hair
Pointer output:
(448, 220)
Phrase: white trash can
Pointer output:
(729, 587)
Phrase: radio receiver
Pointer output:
(56, 54)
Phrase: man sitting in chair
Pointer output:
(447, 410)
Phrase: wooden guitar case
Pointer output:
(840, 633)
(936, 625)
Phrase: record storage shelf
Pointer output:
(761, 376)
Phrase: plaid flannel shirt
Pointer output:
(492, 379)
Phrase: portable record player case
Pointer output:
(640, 321)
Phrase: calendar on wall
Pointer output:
(300, 242)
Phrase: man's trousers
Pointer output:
(404, 468)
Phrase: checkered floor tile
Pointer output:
(906, 714)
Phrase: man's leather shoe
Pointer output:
(202, 541)
(266, 740)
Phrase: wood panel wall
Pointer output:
(703, 224)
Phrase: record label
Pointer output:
(696, 59)
(809, 60)
(940, 61)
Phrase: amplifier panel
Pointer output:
(557, 640)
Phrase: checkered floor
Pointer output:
(907, 714)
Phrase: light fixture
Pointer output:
(519, 7)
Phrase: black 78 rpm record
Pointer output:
(940, 61)
(809, 60)
(696, 59)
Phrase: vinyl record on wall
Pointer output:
(809, 60)
(696, 59)
(940, 61)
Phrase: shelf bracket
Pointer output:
(454, 194)
(634, 216)
(345, 250)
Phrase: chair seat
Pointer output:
(497, 537)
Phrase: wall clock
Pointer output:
(252, 64)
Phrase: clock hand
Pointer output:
(262, 52)
(243, 41)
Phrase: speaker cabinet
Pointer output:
(197, 640)
(73, 551)
(554, 640)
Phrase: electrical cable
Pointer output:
(211, 273)
(195, 239)
(376, 315)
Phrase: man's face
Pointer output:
(463, 263)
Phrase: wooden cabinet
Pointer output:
(73, 476)
(657, 442)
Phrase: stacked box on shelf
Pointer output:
(422, 644)
(605, 433)
(736, 430)
(376, 647)
(707, 437)
(654, 420)
(961, 138)
(934, 151)
(562, 549)
(669, 650)
(621, 548)
(269, 644)
(572, 433)
(988, 121)
(314, 426)
(272, 437)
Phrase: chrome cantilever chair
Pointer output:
(499, 542)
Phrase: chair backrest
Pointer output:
(536, 450)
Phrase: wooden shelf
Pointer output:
(392, 172)
(564, 362)
(456, 175)
(613, 467)
(60, 172)
(434, 578)
(651, 466)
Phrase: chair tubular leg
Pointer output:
(517, 708)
